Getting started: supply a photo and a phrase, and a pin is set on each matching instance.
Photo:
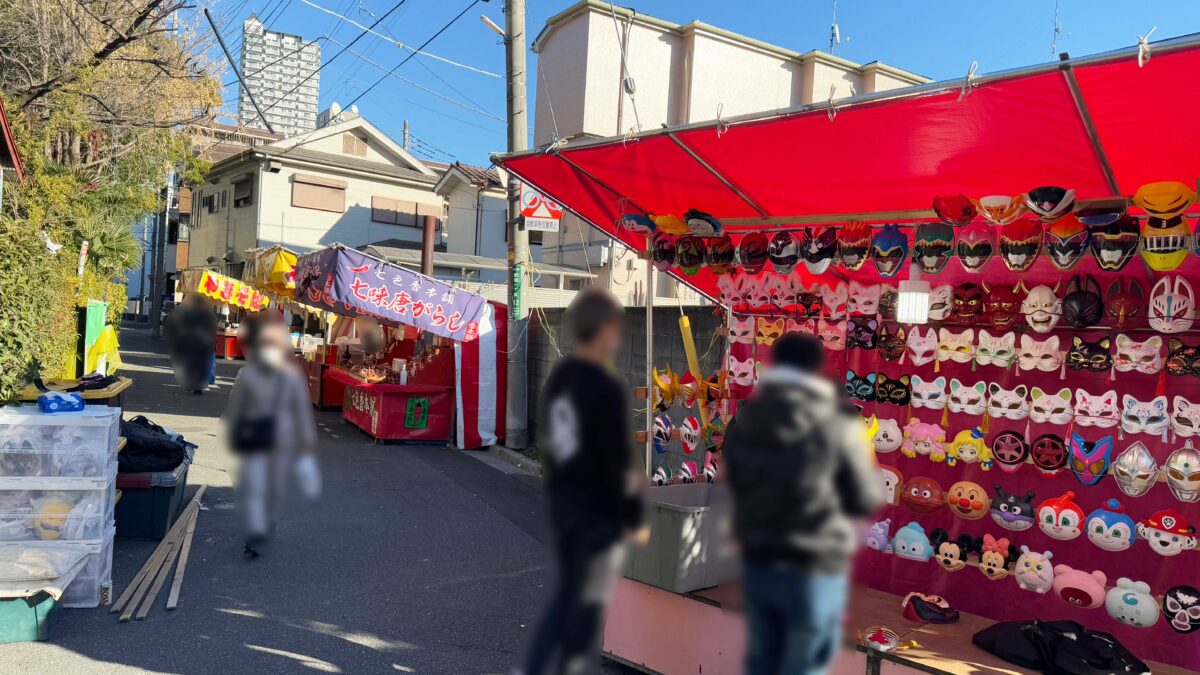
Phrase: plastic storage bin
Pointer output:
(150, 502)
(63, 445)
(689, 539)
(93, 586)
(27, 619)
(56, 509)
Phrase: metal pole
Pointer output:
(649, 449)
(233, 66)
(160, 245)
(404, 144)
(518, 239)
(147, 258)
(429, 232)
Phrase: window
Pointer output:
(224, 198)
(322, 194)
(354, 145)
(243, 190)
(210, 204)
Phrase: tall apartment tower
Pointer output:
(274, 64)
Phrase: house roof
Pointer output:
(331, 160)
(354, 122)
(407, 257)
(479, 175)
(475, 176)
(8, 148)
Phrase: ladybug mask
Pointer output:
(1090, 459)
(933, 246)
(1082, 306)
(1020, 244)
(1049, 454)
(976, 244)
(1124, 302)
(818, 247)
(854, 245)
(1066, 242)
(889, 248)
(966, 304)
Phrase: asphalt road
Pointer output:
(416, 559)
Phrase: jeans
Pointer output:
(793, 620)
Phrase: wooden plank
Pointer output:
(177, 582)
(159, 552)
(159, 580)
(140, 592)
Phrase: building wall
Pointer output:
(228, 227)
(274, 64)
(461, 226)
(565, 79)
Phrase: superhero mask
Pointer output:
(1110, 528)
(1096, 411)
(968, 447)
(819, 248)
(666, 389)
(1182, 359)
(923, 495)
(1079, 588)
(922, 438)
(1172, 307)
(752, 252)
(1165, 243)
(1185, 418)
(1020, 244)
(689, 253)
(755, 292)
(1144, 417)
(1093, 356)
(1007, 403)
(637, 223)
(921, 349)
(861, 332)
(1113, 238)
(966, 304)
(1033, 571)
(957, 347)
(895, 392)
(1049, 454)
(1010, 451)
(662, 251)
(854, 245)
(951, 554)
(996, 556)
(975, 246)
(689, 389)
(911, 543)
(741, 331)
(889, 249)
(887, 436)
(1135, 470)
(1041, 307)
(783, 252)
(1082, 306)
(1066, 241)
(662, 433)
(954, 210)
(832, 334)
(809, 303)
(742, 372)
(1060, 518)
(780, 290)
(729, 290)
(1049, 408)
(689, 433)
(1168, 533)
(719, 255)
(768, 331)
(967, 400)
(702, 224)
(833, 301)
(1123, 303)
(996, 351)
(889, 297)
(939, 302)
(928, 394)
(860, 388)
(1044, 356)
(933, 246)
(1164, 199)
(1050, 203)
(1090, 459)
(1012, 512)
(1143, 357)
(1182, 470)
(1001, 304)
(1181, 606)
(967, 500)
(1000, 209)
(890, 345)
(863, 299)
(662, 476)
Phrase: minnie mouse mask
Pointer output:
(889, 249)
(1020, 244)
(933, 246)
(854, 245)
(976, 244)
(818, 247)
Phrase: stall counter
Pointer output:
(325, 388)
(401, 412)
(228, 346)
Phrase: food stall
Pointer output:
(1001, 269)
(226, 291)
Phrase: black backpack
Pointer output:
(1058, 648)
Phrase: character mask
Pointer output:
(1172, 307)
(755, 292)
(1050, 203)
(996, 351)
(662, 433)
(1096, 411)
(1090, 459)
(1123, 303)
(1020, 244)
(1041, 307)
(1093, 356)
(742, 372)
(861, 332)
(1113, 238)
(1060, 518)
(1049, 454)
(889, 249)
(1181, 606)
(1144, 417)
(957, 347)
(1168, 533)
(1165, 243)
(933, 246)
(809, 303)
(967, 500)
(889, 297)
(1131, 603)
(1010, 451)
(954, 210)
(1164, 199)
(833, 301)
(923, 495)
(1079, 588)
(939, 302)
(860, 388)
(1007, 403)
(921, 349)
(768, 331)
(729, 291)
(968, 400)
(637, 223)
(928, 394)
(662, 251)
(780, 290)
(832, 334)
(1046, 407)
(976, 244)
(1000, 209)
(1011, 511)
(690, 253)
(1066, 241)
(854, 245)
(887, 436)
(895, 391)
(1034, 571)
(689, 433)
(752, 251)
(1143, 357)
(1185, 418)
(1182, 359)
(1001, 304)
(741, 331)
(1182, 469)
(911, 543)
(1044, 356)
(995, 557)
(893, 483)
(1135, 470)
(966, 304)
(863, 299)
(921, 438)
(951, 554)
(968, 447)
(807, 326)
(819, 248)
(890, 345)
(877, 536)
(719, 255)
(1082, 306)
(702, 224)
(1109, 528)
(783, 252)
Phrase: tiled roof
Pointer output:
(479, 175)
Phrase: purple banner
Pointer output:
(348, 282)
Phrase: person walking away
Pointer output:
(191, 333)
(270, 425)
(593, 493)
(801, 472)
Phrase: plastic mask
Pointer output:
(1082, 305)
(889, 297)
(1164, 199)
(662, 433)
(729, 291)
(832, 334)
(1096, 411)
(1172, 307)
(779, 289)
(719, 255)
(1049, 454)
(1060, 518)
(690, 253)
(662, 251)
(1123, 303)
(1185, 418)
(921, 438)
(1182, 359)
(889, 249)
(929, 394)
(1110, 528)
(1090, 459)
(1181, 606)
(1045, 407)
(939, 302)
(1066, 241)
(1143, 357)
(1008, 403)
(1114, 242)
(957, 347)
(1091, 356)
(999, 350)
(1020, 244)
(861, 332)
(755, 291)
(933, 246)
(1001, 304)
(975, 245)
(1182, 469)
(783, 252)
(966, 304)
(1011, 511)
(969, 400)
(1042, 308)
(860, 388)
(1000, 209)
(895, 392)
(1165, 243)
(863, 299)
(1010, 450)
(969, 447)
(1168, 533)
(702, 224)
(954, 210)
(921, 349)
(768, 331)
(1135, 470)
(809, 303)
(752, 251)
(834, 299)
(741, 331)
(689, 433)
(819, 248)
(854, 245)
(742, 372)
(1049, 202)
(890, 345)
(1144, 417)
(1044, 356)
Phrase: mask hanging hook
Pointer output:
(969, 82)
(1143, 44)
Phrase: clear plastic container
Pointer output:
(93, 586)
(57, 510)
(62, 445)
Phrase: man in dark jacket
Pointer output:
(586, 442)
(801, 472)
(191, 332)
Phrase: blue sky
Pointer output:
(938, 39)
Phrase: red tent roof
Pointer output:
(1090, 123)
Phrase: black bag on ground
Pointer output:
(147, 450)
(1058, 648)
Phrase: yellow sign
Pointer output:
(231, 292)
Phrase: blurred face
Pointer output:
(608, 339)
(273, 345)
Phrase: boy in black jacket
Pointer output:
(592, 493)
(801, 471)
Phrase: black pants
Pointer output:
(572, 627)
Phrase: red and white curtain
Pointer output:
(481, 384)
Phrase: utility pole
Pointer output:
(517, 418)
(157, 288)
(404, 143)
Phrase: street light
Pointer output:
(491, 24)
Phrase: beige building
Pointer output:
(683, 73)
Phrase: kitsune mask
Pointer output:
(863, 299)
(729, 291)
(1066, 241)
(833, 300)
(768, 331)
(957, 347)
(1000, 209)
(966, 304)
(967, 399)
(741, 373)
(1020, 244)
(976, 243)
(861, 332)
(719, 255)
(1165, 243)
(1114, 243)
(1096, 411)
(854, 245)
(890, 345)
(889, 248)
(1082, 305)
(1185, 418)
(1049, 454)
(780, 290)
(933, 246)
(1093, 356)
(741, 331)
(1090, 459)
(755, 292)
(1182, 469)
(1172, 307)
(832, 334)
(996, 351)
(939, 302)
(921, 349)
(860, 388)
(1007, 403)
(1001, 304)
(896, 392)
(1044, 356)
(807, 326)
(1135, 470)
(1182, 359)
(1123, 303)
(954, 210)
(1052, 408)
(1010, 450)
(1042, 308)
(928, 394)
(1143, 357)
(783, 252)
(818, 247)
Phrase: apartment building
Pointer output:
(281, 70)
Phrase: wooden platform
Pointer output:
(110, 395)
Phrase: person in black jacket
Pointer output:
(801, 472)
(591, 489)
(191, 334)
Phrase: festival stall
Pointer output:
(441, 360)
(1002, 270)
(225, 291)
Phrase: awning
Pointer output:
(271, 269)
(412, 258)
(1089, 123)
(223, 289)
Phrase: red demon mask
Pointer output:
(1020, 244)
(1124, 300)
(1002, 304)
(966, 304)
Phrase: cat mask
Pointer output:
(832, 334)
(939, 302)
(860, 388)
(999, 350)
(729, 291)
(967, 399)
(755, 292)
(1096, 411)
(833, 301)
(890, 345)
(1090, 459)
(1143, 357)
(1093, 356)
(741, 373)
(889, 298)
(861, 332)
(1172, 307)
(741, 331)
(1046, 407)
(807, 326)
(1044, 356)
(808, 303)
(896, 392)
(1082, 304)
(768, 331)
(780, 290)
(1144, 417)
(862, 299)
(957, 347)
(921, 349)
(928, 394)
(1182, 359)
(1008, 403)
(1185, 418)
